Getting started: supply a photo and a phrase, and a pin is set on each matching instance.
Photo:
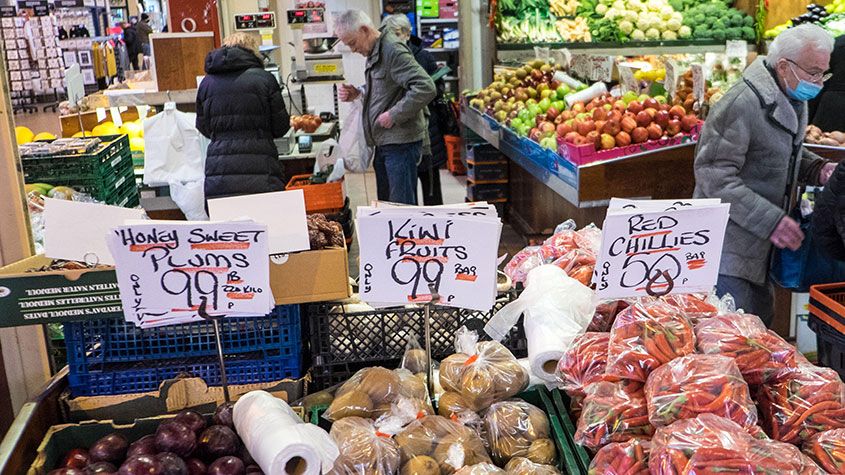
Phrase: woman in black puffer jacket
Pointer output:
(240, 108)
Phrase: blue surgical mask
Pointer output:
(805, 90)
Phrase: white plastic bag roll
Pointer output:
(557, 309)
(279, 440)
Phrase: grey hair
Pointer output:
(793, 42)
(398, 24)
(351, 20)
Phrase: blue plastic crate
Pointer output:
(114, 340)
(124, 378)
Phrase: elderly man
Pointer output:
(396, 92)
(750, 155)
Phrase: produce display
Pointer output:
(807, 401)
(323, 233)
(695, 384)
(831, 17)
(629, 457)
(815, 136)
(371, 392)
(518, 429)
(183, 445)
(611, 414)
(828, 450)
(621, 21)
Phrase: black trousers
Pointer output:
(430, 180)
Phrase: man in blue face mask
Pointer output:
(750, 155)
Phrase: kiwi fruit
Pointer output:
(451, 403)
(422, 465)
(416, 440)
(451, 370)
(538, 423)
(380, 410)
(381, 384)
(509, 378)
(413, 387)
(507, 447)
(349, 404)
(478, 390)
(415, 360)
(542, 451)
(523, 466)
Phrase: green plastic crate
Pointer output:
(113, 153)
(561, 405)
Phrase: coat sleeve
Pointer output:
(419, 88)
(719, 159)
(279, 113)
(828, 225)
(810, 168)
(202, 120)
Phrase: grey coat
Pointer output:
(749, 142)
(398, 84)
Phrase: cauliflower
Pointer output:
(631, 16)
(601, 9)
(673, 24)
(612, 13)
(652, 34)
(678, 16)
(638, 35)
(619, 5)
(685, 32)
(655, 5)
(643, 21)
(626, 27)
(670, 35)
(666, 12)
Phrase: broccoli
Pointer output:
(748, 33)
(718, 24)
(749, 21)
(702, 32)
(700, 18)
(719, 35)
(736, 20)
(678, 5)
(733, 33)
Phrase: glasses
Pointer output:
(815, 77)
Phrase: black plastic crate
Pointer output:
(487, 172)
(831, 345)
(487, 192)
(484, 152)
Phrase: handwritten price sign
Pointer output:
(404, 253)
(165, 271)
(660, 247)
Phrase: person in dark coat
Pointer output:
(828, 225)
(240, 108)
(428, 170)
(133, 46)
(826, 109)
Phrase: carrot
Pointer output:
(716, 403)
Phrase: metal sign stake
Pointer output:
(435, 299)
(215, 319)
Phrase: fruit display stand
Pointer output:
(546, 189)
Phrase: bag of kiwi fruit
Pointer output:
(371, 392)
(516, 428)
(435, 445)
(363, 449)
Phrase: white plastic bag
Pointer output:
(357, 157)
(190, 198)
(174, 148)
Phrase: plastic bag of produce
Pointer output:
(828, 450)
(522, 263)
(761, 355)
(713, 444)
(363, 449)
(437, 442)
(370, 393)
(807, 401)
(518, 429)
(645, 336)
(584, 363)
(605, 315)
(694, 306)
(688, 386)
(620, 458)
(523, 466)
(481, 372)
(479, 469)
(609, 414)
(414, 359)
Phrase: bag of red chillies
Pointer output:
(697, 384)
(622, 458)
(645, 336)
(609, 414)
(807, 401)
(828, 450)
(713, 445)
(584, 363)
(761, 355)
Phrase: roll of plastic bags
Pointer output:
(557, 309)
(279, 440)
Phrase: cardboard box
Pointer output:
(32, 298)
(173, 396)
(313, 276)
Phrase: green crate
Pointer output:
(138, 158)
(561, 404)
(112, 153)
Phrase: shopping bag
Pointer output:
(190, 198)
(357, 157)
(174, 148)
(798, 270)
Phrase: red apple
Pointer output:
(600, 124)
(654, 132)
(593, 137)
(673, 128)
(665, 107)
(688, 122)
(623, 139)
(563, 129)
(639, 135)
(619, 106)
(585, 127)
(612, 127)
(589, 107)
(628, 124)
(651, 112)
(572, 137)
(662, 118)
(551, 113)
(534, 134)
(677, 112)
(643, 118)
(651, 103)
(599, 113)
(578, 107)
(615, 115)
(635, 107)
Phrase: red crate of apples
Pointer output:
(608, 128)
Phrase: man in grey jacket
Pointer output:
(750, 155)
(396, 93)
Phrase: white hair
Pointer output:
(398, 24)
(792, 43)
(351, 20)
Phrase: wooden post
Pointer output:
(23, 353)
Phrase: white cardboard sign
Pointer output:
(405, 249)
(681, 238)
(165, 270)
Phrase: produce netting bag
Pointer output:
(435, 441)
(516, 428)
(610, 414)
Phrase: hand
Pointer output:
(385, 120)
(826, 172)
(787, 234)
(348, 93)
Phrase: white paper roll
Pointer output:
(279, 440)
(533, 380)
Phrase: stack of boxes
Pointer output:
(487, 175)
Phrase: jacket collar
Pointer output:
(761, 80)
(375, 54)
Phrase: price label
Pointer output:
(699, 84)
(627, 80)
(562, 57)
(660, 247)
(8, 11)
(594, 67)
(670, 83)
(736, 48)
